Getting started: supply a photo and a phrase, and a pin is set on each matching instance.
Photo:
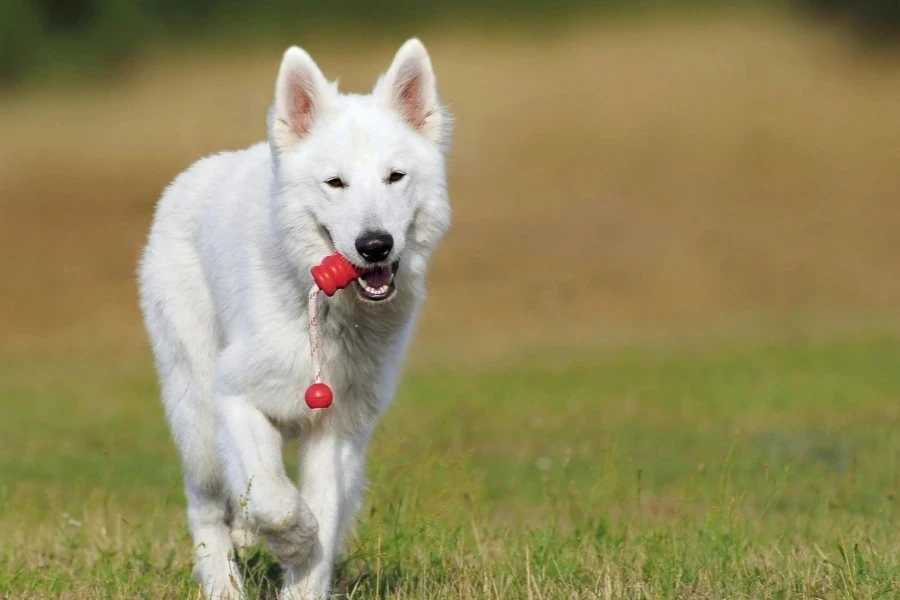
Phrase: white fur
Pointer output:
(223, 284)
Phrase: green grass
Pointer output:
(724, 472)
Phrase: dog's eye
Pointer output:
(396, 176)
(335, 182)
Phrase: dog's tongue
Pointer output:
(378, 277)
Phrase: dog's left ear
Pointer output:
(409, 88)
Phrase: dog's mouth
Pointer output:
(376, 284)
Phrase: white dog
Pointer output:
(224, 281)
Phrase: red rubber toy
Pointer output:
(333, 274)
(318, 395)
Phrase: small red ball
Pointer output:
(318, 395)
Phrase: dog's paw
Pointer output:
(242, 536)
(293, 537)
(290, 594)
(218, 584)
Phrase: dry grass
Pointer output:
(605, 178)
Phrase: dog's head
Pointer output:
(361, 175)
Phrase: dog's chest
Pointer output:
(361, 365)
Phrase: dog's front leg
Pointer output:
(251, 448)
(332, 475)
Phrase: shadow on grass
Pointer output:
(261, 574)
(356, 576)
(365, 577)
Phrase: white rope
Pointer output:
(314, 333)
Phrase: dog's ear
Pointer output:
(409, 88)
(301, 95)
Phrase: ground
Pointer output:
(658, 360)
(766, 471)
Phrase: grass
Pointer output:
(731, 471)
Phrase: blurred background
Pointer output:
(624, 175)
(619, 169)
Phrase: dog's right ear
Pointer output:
(301, 95)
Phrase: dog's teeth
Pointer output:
(373, 291)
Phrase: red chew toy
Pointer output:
(335, 273)
(318, 395)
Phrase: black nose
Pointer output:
(374, 246)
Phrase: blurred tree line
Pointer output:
(37, 36)
(878, 20)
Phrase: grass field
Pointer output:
(688, 389)
(728, 472)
